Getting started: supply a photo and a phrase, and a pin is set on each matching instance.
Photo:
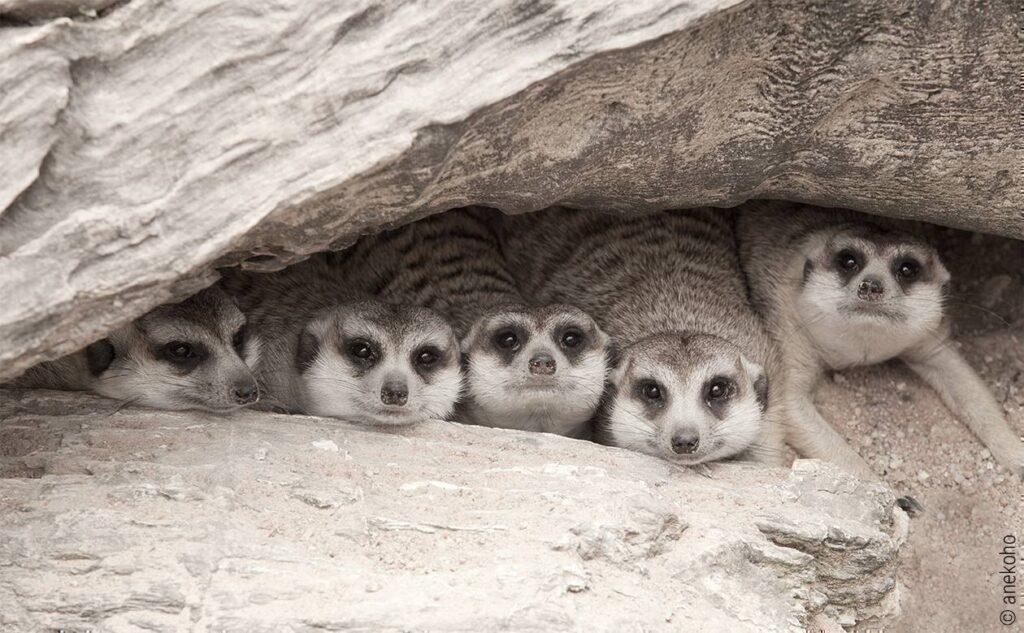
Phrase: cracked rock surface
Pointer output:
(124, 519)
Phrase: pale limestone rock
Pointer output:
(118, 519)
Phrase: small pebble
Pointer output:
(922, 475)
(326, 445)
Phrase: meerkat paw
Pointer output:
(910, 505)
(1013, 460)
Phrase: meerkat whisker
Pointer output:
(1003, 322)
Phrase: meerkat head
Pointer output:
(540, 368)
(380, 364)
(189, 355)
(687, 398)
(862, 275)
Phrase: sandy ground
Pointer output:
(952, 560)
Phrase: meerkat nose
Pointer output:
(685, 442)
(871, 289)
(542, 364)
(394, 393)
(246, 392)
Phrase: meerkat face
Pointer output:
(539, 368)
(687, 399)
(190, 355)
(379, 364)
(863, 281)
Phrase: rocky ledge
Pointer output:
(121, 519)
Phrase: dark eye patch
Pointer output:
(572, 339)
(907, 270)
(717, 393)
(508, 340)
(183, 355)
(848, 262)
(361, 352)
(428, 359)
(652, 394)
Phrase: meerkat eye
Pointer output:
(848, 261)
(361, 350)
(427, 357)
(651, 391)
(507, 339)
(572, 338)
(177, 351)
(908, 269)
(719, 389)
(238, 340)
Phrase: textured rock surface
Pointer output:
(144, 146)
(121, 520)
(147, 142)
(31, 11)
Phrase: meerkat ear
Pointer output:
(466, 343)
(612, 355)
(810, 248)
(307, 350)
(464, 350)
(758, 379)
(808, 269)
(99, 355)
(617, 373)
(761, 389)
(942, 275)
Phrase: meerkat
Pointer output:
(838, 292)
(330, 352)
(196, 354)
(528, 367)
(696, 365)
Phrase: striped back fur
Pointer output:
(667, 271)
(450, 262)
